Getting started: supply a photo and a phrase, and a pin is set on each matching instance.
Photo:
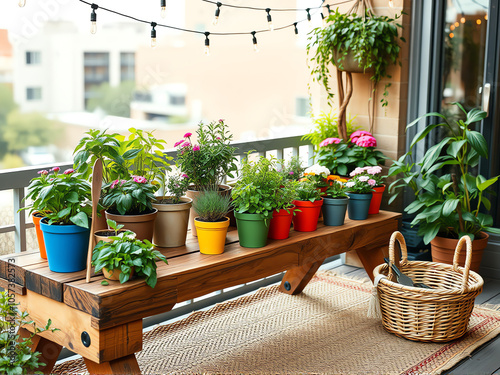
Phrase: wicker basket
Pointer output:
(438, 314)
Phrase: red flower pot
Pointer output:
(279, 225)
(307, 219)
(376, 200)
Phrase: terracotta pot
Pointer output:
(350, 64)
(39, 234)
(279, 225)
(443, 250)
(212, 235)
(193, 194)
(307, 219)
(376, 200)
(115, 274)
(141, 225)
(171, 223)
(103, 235)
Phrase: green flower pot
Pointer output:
(252, 229)
(334, 210)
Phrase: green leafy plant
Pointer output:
(125, 252)
(327, 127)
(373, 41)
(256, 189)
(336, 190)
(64, 198)
(16, 356)
(307, 191)
(209, 162)
(130, 197)
(286, 194)
(291, 169)
(212, 206)
(448, 205)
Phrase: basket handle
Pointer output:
(392, 251)
(468, 258)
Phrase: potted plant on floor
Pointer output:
(172, 221)
(449, 206)
(279, 225)
(254, 199)
(64, 201)
(360, 191)
(378, 189)
(335, 204)
(129, 203)
(123, 255)
(307, 206)
(208, 162)
(211, 221)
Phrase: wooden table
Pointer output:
(104, 323)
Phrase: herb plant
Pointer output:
(307, 191)
(212, 206)
(291, 169)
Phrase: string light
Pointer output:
(153, 34)
(93, 19)
(323, 20)
(486, 17)
(254, 40)
(452, 27)
(269, 19)
(22, 3)
(478, 21)
(217, 14)
(391, 3)
(457, 24)
(462, 20)
(163, 5)
(452, 35)
(308, 15)
(207, 44)
(328, 7)
(295, 28)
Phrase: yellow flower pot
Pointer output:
(211, 235)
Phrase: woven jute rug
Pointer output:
(323, 330)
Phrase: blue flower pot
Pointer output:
(334, 210)
(358, 206)
(66, 245)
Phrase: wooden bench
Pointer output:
(104, 323)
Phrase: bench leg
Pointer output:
(49, 350)
(124, 365)
(296, 279)
(371, 258)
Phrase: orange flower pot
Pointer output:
(39, 234)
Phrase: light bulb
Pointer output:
(452, 27)
(153, 42)
(93, 27)
(462, 19)
(206, 51)
(486, 17)
(256, 47)
(452, 35)
(153, 34)
(457, 24)
(93, 19)
(163, 12)
(391, 3)
(269, 19)
(270, 25)
(22, 3)
(308, 16)
(215, 21)
(254, 40)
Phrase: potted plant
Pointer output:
(359, 190)
(279, 225)
(123, 255)
(129, 203)
(307, 206)
(172, 221)
(211, 220)
(106, 234)
(335, 203)
(449, 206)
(208, 162)
(254, 199)
(16, 356)
(317, 174)
(378, 189)
(64, 201)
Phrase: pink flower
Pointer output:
(69, 171)
(187, 135)
(358, 133)
(372, 182)
(350, 184)
(178, 143)
(183, 175)
(363, 178)
(357, 171)
(329, 141)
(218, 138)
(43, 172)
(366, 141)
(140, 179)
(115, 182)
(55, 169)
(186, 144)
(374, 170)
(291, 172)
(196, 148)
(221, 120)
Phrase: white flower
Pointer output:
(317, 170)
(350, 184)
(363, 178)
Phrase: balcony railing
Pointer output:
(18, 179)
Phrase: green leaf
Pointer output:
(131, 154)
(478, 143)
(104, 282)
(455, 147)
(449, 206)
(81, 219)
(486, 184)
(430, 234)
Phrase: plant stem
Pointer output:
(459, 206)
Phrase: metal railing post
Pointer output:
(19, 221)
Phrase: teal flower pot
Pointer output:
(252, 229)
(358, 206)
(334, 210)
(66, 246)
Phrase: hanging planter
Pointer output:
(279, 225)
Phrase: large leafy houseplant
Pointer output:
(373, 41)
(449, 205)
(130, 197)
